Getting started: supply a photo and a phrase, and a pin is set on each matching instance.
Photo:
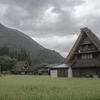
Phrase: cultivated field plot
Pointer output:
(29, 87)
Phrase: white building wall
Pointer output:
(53, 73)
(70, 72)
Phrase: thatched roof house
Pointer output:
(22, 68)
(83, 59)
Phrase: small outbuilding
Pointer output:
(62, 70)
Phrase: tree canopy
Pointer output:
(39, 66)
(7, 62)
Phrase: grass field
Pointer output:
(29, 87)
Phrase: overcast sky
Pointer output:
(55, 24)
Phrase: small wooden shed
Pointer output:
(62, 70)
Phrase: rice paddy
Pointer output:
(30, 87)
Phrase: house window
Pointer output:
(98, 55)
(90, 56)
(75, 56)
(86, 47)
(93, 47)
(83, 47)
(84, 56)
(80, 47)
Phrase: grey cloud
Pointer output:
(25, 14)
(28, 16)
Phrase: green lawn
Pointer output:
(29, 87)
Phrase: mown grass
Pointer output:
(29, 87)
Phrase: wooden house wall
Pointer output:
(83, 72)
(29, 73)
(62, 73)
(22, 73)
(98, 71)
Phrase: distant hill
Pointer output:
(16, 40)
(49, 56)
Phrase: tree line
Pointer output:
(9, 58)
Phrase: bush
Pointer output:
(6, 72)
(89, 76)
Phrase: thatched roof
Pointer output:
(19, 66)
(92, 37)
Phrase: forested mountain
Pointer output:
(48, 56)
(17, 40)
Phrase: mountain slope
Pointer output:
(16, 40)
(48, 56)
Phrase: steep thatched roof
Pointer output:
(92, 37)
(19, 66)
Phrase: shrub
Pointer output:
(89, 76)
(8, 72)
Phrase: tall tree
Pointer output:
(36, 60)
(22, 55)
(29, 58)
(39, 66)
(7, 62)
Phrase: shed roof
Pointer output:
(52, 65)
(65, 65)
(61, 66)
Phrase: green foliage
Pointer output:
(4, 51)
(22, 55)
(39, 66)
(7, 62)
(29, 58)
(89, 76)
(48, 56)
(36, 60)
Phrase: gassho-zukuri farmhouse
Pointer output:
(83, 59)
